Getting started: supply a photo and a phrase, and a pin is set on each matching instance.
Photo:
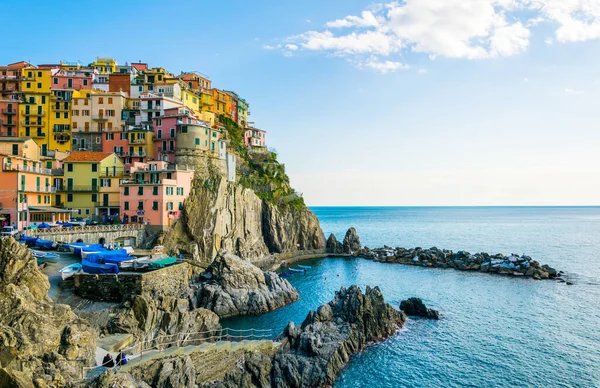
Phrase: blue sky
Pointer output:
(426, 102)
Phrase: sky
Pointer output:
(412, 103)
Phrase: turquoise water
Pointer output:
(495, 331)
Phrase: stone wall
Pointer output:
(98, 234)
(170, 281)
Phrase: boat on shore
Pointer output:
(94, 268)
(70, 270)
(296, 270)
(45, 256)
(45, 244)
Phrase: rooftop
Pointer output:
(87, 156)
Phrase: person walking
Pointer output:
(108, 361)
(121, 359)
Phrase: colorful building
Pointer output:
(92, 183)
(155, 193)
(255, 139)
(35, 110)
(104, 65)
(26, 190)
(9, 117)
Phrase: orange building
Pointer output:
(26, 191)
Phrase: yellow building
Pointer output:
(207, 101)
(220, 102)
(60, 124)
(190, 99)
(92, 183)
(34, 112)
(105, 65)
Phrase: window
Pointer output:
(106, 182)
(159, 134)
(126, 205)
(110, 136)
(70, 167)
(169, 205)
(65, 115)
(55, 81)
(57, 115)
(94, 198)
(98, 140)
(126, 190)
(197, 141)
(28, 85)
(140, 205)
(100, 100)
(141, 190)
(180, 191)
(39, 73)
(155, 205)
(85, 82)
(75, 101)
(169, 191)
(69, 197)
(39, 199)
(94, 167)
(87, 212)
(155, 190)
(39, 85)
(110, 100)
(15, 149)
(158, 122)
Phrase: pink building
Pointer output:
(71, 80)
(255, 138)
(165, 131)
(155, 193)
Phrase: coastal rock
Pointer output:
(351, 244)
(151, 320)
(313, 354)
(233, 286)
(224, 215)
(333, 245)
(416, 307)
(39, 339)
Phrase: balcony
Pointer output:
(39, 135)
(61, 129)
(137, 154)
(82, 188)
(100, 118)
(32, 124)
(20, 167)
(108, 204)
(8, 124)
(109, 174)
(62, 137)
(9, 112)
(37, 113)
(39, 189)
(9, 78)
(166, 150)
(58, 172)
(138, 141)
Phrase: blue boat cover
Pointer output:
(44, 243)
(94, 268)
(43, 225)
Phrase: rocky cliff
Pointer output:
(308, 356)
(232, 286)
(313, 354)
(224, 215)
(41, 342)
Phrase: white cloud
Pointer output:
(367, 19)
(291, 47)
(574, 91)
(461, 29)
(526, 80)
(384, 67)
(269, 47)
(308, 21)
(422, 71)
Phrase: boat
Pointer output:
(76, 247)
(296, 270)
(45, 256)
(45, 244)
(304, 266)
(85, 252)
(132, 263)
(29, 241)
(100, 256)
(161, 263)
(94, 268)
(70, 270)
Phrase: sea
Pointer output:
(494, 331)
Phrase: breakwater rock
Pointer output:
(313, 354)
(307, 356)
(232, 286)
(415, 307)
(513, 265)
(41, 342)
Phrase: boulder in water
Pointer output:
(333, 245)
(351, 244)
(416, 307)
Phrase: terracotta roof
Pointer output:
(87, 156)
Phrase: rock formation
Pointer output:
(333, 245)
(513, 265)
(313, 354)
(308, 356)
(156, 320)
(223, 215)
(232, 286)
(41, 342)
(351, 244)
(416, 307)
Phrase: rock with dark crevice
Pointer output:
(351, 244)
(333, 245)
(237, 287)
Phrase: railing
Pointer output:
(165, 151)
(82, 188)
(9, 124)
(100, 118)
(37, 113)
(32, 124)
(60, 129)
(114, 174)
(138, 154)
(39, 134)
(82, 229)
(39, 189)
(108, 204)
(20, 167)
(9, 77)
(9, 112)
(138, 141)
(57, 172)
